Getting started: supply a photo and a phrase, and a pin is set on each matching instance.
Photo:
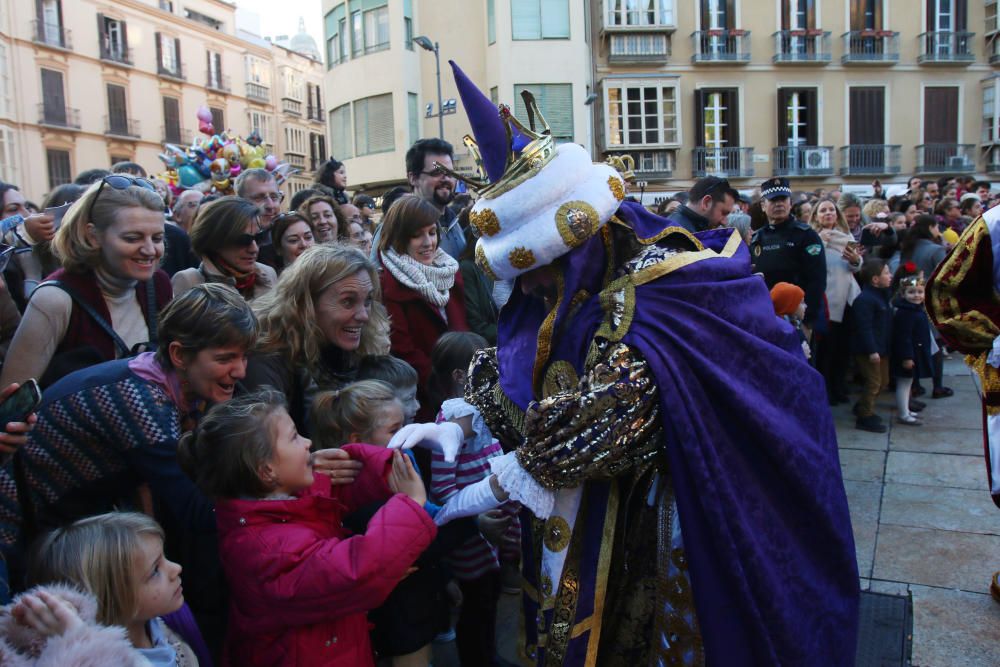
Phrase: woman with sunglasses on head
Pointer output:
(224, 236)
(103, 303)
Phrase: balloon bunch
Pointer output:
(212, 162)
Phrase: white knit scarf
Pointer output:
(432, 281)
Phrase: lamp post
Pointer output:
(426, 44)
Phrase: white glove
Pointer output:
(446, 437)
(473, 499)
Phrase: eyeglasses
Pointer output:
(436, 172)
(119, 182)
(276, 197)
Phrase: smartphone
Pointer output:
(20, 404)
(57, 213)
(6, 252)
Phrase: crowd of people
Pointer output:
(210, 363)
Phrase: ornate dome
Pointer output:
(303, 43)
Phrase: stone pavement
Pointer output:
(924, 523)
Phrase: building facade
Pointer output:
(820, 91)
(381, 85)
(86, 83)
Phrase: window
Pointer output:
(317, 150)
(991, 16)
(213, 76)
(948, 17)
(717, 117)
(172, 120)
(53, 99)
(218, 119)
(991, 121)
(635, 13)
(261, 123)
(336, 40)
(8, 171)
(198, 17)
(376, 29)
(718, 14)
(58, 166)
(50, 26)
(491, 21)
(641, 114)
(941, 115)
(168, 55)
(539, 19)
(340, 132)
(314, 108)
(117, 111)
(413, 113)
(258, 71)
(373, 125)
(357, 34)
(293, 84)
(798, 118)
(408, 32)
(113, 38)
(295, 141)
(555, 102)
(866, 14)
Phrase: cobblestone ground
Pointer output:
(924, 524)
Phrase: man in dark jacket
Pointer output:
(710, 200)
(789, 251)
(870, 340)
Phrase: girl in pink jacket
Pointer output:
(300, 583)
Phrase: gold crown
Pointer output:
(517, 169)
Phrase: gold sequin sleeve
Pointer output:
(503, 416)
(609, 424)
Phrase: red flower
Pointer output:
(910, 267)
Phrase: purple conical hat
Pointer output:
(489, 131)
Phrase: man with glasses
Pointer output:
(710, 200)
(261, 188)
(788, 250)
(433, 184)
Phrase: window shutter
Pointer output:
(554, 19)
(177, 56)
(526, 19)
(380, 125)
(812, 116)
(218, 120)
(208, 68)
(730, 22)
(103, 34)
(555, 101)
(786, 16)
(961, 15)
(811, 14)
(58, 167)
(706, 19)
(783, 96)
(700, 96)
(940, 115)
(117, 114)
(124, 28)
(172, 119)
(340, 132)
(413, 112)
(731, 117)
(159, 51)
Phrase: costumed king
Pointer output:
(673, 451)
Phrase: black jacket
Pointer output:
(872, 322)
(911, 339)
(688, 219)
(792, 252)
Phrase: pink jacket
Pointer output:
(300, 585)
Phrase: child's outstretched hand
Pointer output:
(337, 464)
(404, 478)
(46, 614)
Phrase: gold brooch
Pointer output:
(557, 533)
(576, 221)
(617, 189)
(521, 258)
(485, 222)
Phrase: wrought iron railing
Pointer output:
(58, 115)
(257, 92)
(943, 46)
(870, 46)
(802, 46)
(869, 159)
(729, 162)
(946, 158)
(122, 126)
(803, 160)
(51, 34)
(721, 46)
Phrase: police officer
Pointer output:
(790, 251)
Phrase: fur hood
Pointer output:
(91, 645)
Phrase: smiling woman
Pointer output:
(324, 314)
(104, 302)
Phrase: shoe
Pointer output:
(917, 406)
(918, 390)
(871, 423)
(942, 392)
(995, 586)
(909, 420)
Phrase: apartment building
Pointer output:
(86, 83)
(382, 88)
(820, 91)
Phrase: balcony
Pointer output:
(946, 48)
(116, 53)
(51, 34)
(291, 107)
(652, 165)
(638, 47)
(258, 93)
(802, 47)
(295, 160)
(803, 160)
(869, 160)
(946, 159)
(57, 115)
(178, 135)
(870, 47)
(638, 20)
(121, 127)
(171, 71)
(721, 46)
(314, 113)
(217, 82)
(731, 162)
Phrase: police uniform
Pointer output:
(790, 252)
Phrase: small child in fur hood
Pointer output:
(57, 625)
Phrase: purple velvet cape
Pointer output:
(749, 439)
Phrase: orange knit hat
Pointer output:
(786, 298)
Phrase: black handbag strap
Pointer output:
(87, 308)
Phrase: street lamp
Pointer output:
(426, 44)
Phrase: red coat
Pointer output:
(300, 585)
(416, 325)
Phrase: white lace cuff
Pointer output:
(521, 486)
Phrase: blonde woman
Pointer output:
(103, 303)
(843, 260)
(322, 317)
